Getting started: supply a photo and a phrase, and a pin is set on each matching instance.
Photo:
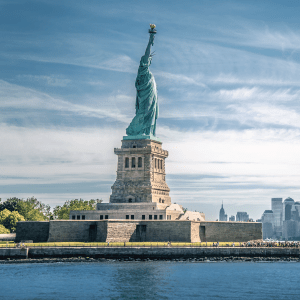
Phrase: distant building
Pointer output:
(277, 208)
(287, 209)
(283, 221)
(232, 219)
(222, 215)
(242, 216)
(267, 221)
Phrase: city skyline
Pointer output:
(227, 75)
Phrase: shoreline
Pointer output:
(130, 259)
(152, 253)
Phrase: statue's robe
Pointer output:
(146, 105)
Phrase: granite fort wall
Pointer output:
(35, 231)
(121, 231)
(77, 231)
(176, 231)
(137, 231)
(195, 232)
(230, 231)
(149, 231)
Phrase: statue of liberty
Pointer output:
(146, 106)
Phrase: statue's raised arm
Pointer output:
(143, 124)
(150, 43)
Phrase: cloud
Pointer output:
(49, 80)
(117, 63)
(282, 96)
(264, 157)
(211, 64)
(18, 97)
(268, 155)
(264, 36)
(169, 78)
(229, 79)
(268, 114)
(37, 155)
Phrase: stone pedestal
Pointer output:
(141, 175)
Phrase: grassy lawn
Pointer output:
(115, 244)
(4, 243)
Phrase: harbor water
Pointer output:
(150, 280)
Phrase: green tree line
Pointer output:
(14, 210)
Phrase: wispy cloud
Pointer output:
(229, 79)
(264, 36)
(268, 114)
(170, 79)
(56, 155)
(49, 80)
(18, 97)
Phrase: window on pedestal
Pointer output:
(127, 217)
(73, 217)
(132, 217)
(126, 162)
(150, 217)
(160, 217)
(140, 162)
(101, 217)
(143, 217)
(155, 163)
(106, 217)
(159, 200)
(78, 217)
(155, 217)
(133, 162)
(83, 217)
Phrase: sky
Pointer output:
(228, 80)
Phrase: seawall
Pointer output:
(147, 252)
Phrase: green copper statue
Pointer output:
(143, 124)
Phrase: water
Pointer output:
(150, 280)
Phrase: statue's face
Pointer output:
(150, 60)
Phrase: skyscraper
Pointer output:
(222, 215)
(277, 208)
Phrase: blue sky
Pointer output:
(228, 79)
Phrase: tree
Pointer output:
(10, 204)
(3, 230)
(9, 219)
(31, 209)
(4, 214)
(63, 212)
